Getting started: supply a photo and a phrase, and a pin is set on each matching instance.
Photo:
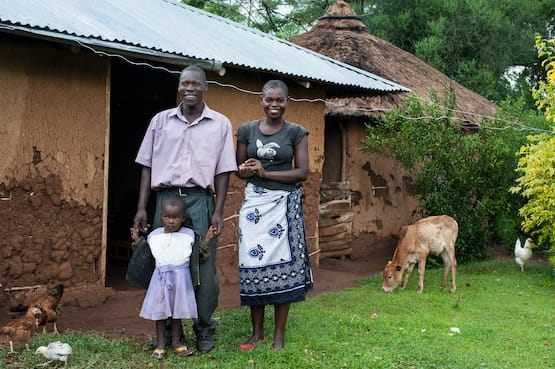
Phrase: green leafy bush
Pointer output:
(537, 161)
(464, 176)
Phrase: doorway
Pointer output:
(137, 93)
(336, 214)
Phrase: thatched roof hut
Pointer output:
(367, 196)
(341, 35)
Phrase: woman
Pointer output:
(274, 266)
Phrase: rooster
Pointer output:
(50, 305)
(523, 254)
(21, 329)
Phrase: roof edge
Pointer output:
(121, 50)
(112, 49)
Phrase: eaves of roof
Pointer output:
(172, 32)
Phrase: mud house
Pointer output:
(79, 82)
(367, 195)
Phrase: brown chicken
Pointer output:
(50, 306)
(21, 329)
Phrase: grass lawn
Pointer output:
(498, 318)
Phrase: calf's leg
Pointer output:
(446, 269)
(421, 271)
(453, 274)
(408, 271)
(450, 264)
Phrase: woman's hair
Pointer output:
(273, 84)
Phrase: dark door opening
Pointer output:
(137, 93)
(333, 149)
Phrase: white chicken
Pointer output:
(55, 351)
(523, 254)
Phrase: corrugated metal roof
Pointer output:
(167, 28)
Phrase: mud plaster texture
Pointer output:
(47, 240)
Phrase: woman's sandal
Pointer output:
(183, 351)
(249, 346)
(159, 354)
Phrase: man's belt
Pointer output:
(184, 191)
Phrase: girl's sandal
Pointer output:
(159, 354)
(183, 351)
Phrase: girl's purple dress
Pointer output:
(170, 292)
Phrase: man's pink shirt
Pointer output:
(183, 154)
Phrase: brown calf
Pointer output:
(434, 235)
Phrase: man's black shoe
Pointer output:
(205, 343)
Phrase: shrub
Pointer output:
(464, 176)
(537, 161)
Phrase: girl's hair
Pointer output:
(175, 201)
(273, 84)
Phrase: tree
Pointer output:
(227, 9)
(282, 18)
(537, 160)
(472, 41)
(466, 177)
(545, 93)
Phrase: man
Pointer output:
(188, 151)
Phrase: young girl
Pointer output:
(170, 292)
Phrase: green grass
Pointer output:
(506, 320)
